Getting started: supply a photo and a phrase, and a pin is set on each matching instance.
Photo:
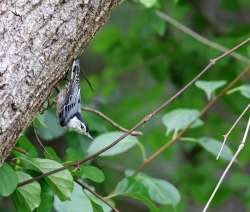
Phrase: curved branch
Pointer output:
(109, 120)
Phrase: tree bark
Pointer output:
(38, 41)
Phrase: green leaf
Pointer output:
(179, 119)
(145, 200)
(104, 206)
(157, 190)
(25, 144)
(244, 90)
(133, 188)
(53, 130)
(209, 87)
(162, 191)
(8, 180)
(213, 146)
(51, 154)
(157, 24)
(93, 173)
(47, 197)
(61, 182)
(39, 121)
(105, 139)
(27, 197)
(78, 202)
(148, 3)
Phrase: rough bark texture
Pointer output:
(38, 41)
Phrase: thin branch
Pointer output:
(109, 120)
(145, 119)
(39, 141)
(202, 113)
(231, 129)
(241, 146)
(19, 149)
(87, 80)
(84, 186)
(200, 38)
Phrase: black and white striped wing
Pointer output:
(72, 103)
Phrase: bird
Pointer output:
(68, 104)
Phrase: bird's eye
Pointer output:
(82, 127)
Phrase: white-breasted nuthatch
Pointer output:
(68, 104)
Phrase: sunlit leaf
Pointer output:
(144, 199)
(40, 121)
(24, 143)
(148, 3)
(244, 90)
(104, 206)
(53, 130)
(158, 190)
(8, 180)
(213, 146)
(27, 197)
(78, 202)
(158, 25)
(93, 173)
(209, 87)
(47, 197)
(135, 189)
(179, 119)
(105, 139)
(161, 191)
(60, 182)
(51, 154)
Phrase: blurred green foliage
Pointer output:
(134, 63)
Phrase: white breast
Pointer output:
(74, 123)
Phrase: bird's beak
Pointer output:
(89, 136)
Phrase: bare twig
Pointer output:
(39, 141)
(84, 186)
(202, 113)
(241, 146)
(200, 38)
(109, 120)
(19, 149)
(231, 129)
(87, 80)
(145, 119)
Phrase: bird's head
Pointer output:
(79, 125)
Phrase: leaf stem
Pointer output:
(142, 149)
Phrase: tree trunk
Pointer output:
(38, 41)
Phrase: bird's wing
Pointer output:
(72, 103)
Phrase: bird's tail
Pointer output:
(75, 72)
